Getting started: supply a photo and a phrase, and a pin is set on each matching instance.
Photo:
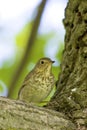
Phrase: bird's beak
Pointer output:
(53, 61)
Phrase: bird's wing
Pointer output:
(26, 80)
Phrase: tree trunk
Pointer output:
(71, 95)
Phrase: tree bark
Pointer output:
(71, 95)
(17, 115)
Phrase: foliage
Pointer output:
(38, 51)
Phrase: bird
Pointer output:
(38, 83)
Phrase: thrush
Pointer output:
(38, 84)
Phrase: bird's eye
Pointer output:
(42, 62)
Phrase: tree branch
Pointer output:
(28, 47)
(17, 115)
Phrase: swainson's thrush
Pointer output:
(38, 83)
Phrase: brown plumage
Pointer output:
(38, 83)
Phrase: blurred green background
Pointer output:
(16, 21)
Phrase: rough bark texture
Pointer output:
(71, 95)
(17, 115)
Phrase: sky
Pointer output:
(14, 14)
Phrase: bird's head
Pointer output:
(44, 65)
